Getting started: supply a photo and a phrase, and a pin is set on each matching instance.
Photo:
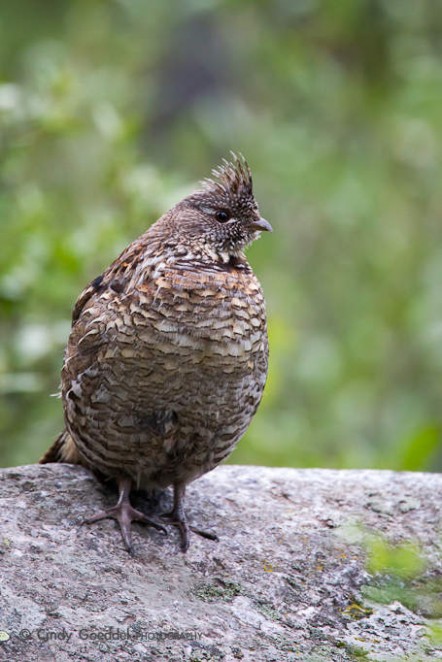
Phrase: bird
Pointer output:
(167, 356)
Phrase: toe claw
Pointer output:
(205, 534)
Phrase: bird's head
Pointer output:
(223, 217)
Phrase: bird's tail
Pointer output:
(62, 450)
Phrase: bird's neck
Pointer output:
(207, 258)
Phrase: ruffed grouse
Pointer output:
(167, 357)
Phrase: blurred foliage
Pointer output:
(111, 110)
(401, 573)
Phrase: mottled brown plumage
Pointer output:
(167, 357)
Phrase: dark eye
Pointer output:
(222, 215)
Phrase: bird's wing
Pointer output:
(117, 276)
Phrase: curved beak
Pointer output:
(261, 225)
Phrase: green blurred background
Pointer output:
(112, 110)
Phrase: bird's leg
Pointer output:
(178, 518)
(124, 513)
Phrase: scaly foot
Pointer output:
(124, 513)
(178, 518)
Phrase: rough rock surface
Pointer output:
(285, 581)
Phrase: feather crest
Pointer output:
(231, 178)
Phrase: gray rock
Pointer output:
(288, 580)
